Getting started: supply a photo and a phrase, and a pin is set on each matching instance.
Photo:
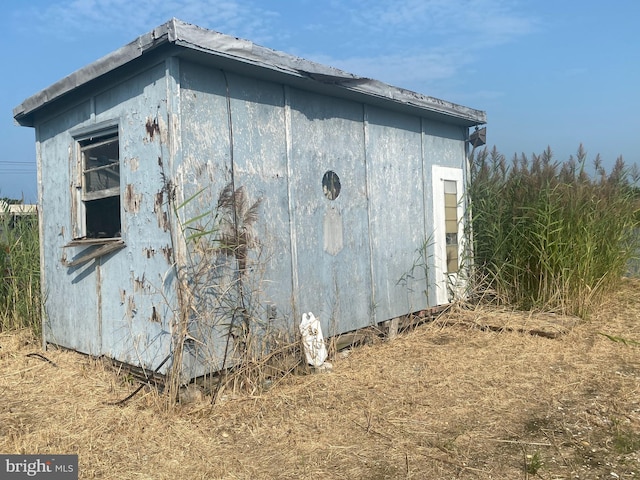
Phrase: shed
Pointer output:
(198, 192)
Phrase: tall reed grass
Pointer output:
(549, 235)
(20, 298)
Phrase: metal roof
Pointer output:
(246, 57)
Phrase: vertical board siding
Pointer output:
(260, 167)
(206, 153)
(394, 175)
(136, 329)
(116, 305)
(69, 294)
(189, 130)
(327, 134)
(201, 174)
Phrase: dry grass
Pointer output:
(451, 399)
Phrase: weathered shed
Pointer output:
(194, 185)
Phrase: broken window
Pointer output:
(100, 185)
(451, 224)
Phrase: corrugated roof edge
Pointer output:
(218, 44)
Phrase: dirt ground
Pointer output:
(456, 398)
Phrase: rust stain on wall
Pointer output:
(123, 296)
(161, 215)
(152, 127)
(155, 317)
(149, 252)
(131, 199)
(157, 205)
(141, 285)
(168, 254)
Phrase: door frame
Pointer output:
(446, 284)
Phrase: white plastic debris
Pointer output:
(315, 350)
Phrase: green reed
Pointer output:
(20, 298)
(549, 235)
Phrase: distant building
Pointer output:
(9, 213)
(17, 209)
(358, 189)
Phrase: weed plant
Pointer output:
(20, 304)
(222, 314)
(533, 463)
(549, 235)
(625, 440)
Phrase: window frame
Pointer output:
(83, 140)
(452, 223)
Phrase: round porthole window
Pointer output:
(331, 185)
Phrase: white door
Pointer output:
(448, 214)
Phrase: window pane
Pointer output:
(450, 187)
(101, 166)
(451, 224)
(103, 218)
(451, 213)
(450, 200)
(100, 157)
(452, 259)
(331, 185)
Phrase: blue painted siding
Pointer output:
(394, 174)
(188, 129)
(70, 309)
(327, 134)
(121, 304)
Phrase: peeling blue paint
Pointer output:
(186, 130)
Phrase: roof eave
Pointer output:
(23, 113)
(215, 44)
(225, 46)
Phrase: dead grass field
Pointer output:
(446, 400)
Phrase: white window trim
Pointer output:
(79, 214)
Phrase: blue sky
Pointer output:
(547, 72)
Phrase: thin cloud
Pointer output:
(426, 45)
(73, 19)
(403, 70)
(483, 22)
